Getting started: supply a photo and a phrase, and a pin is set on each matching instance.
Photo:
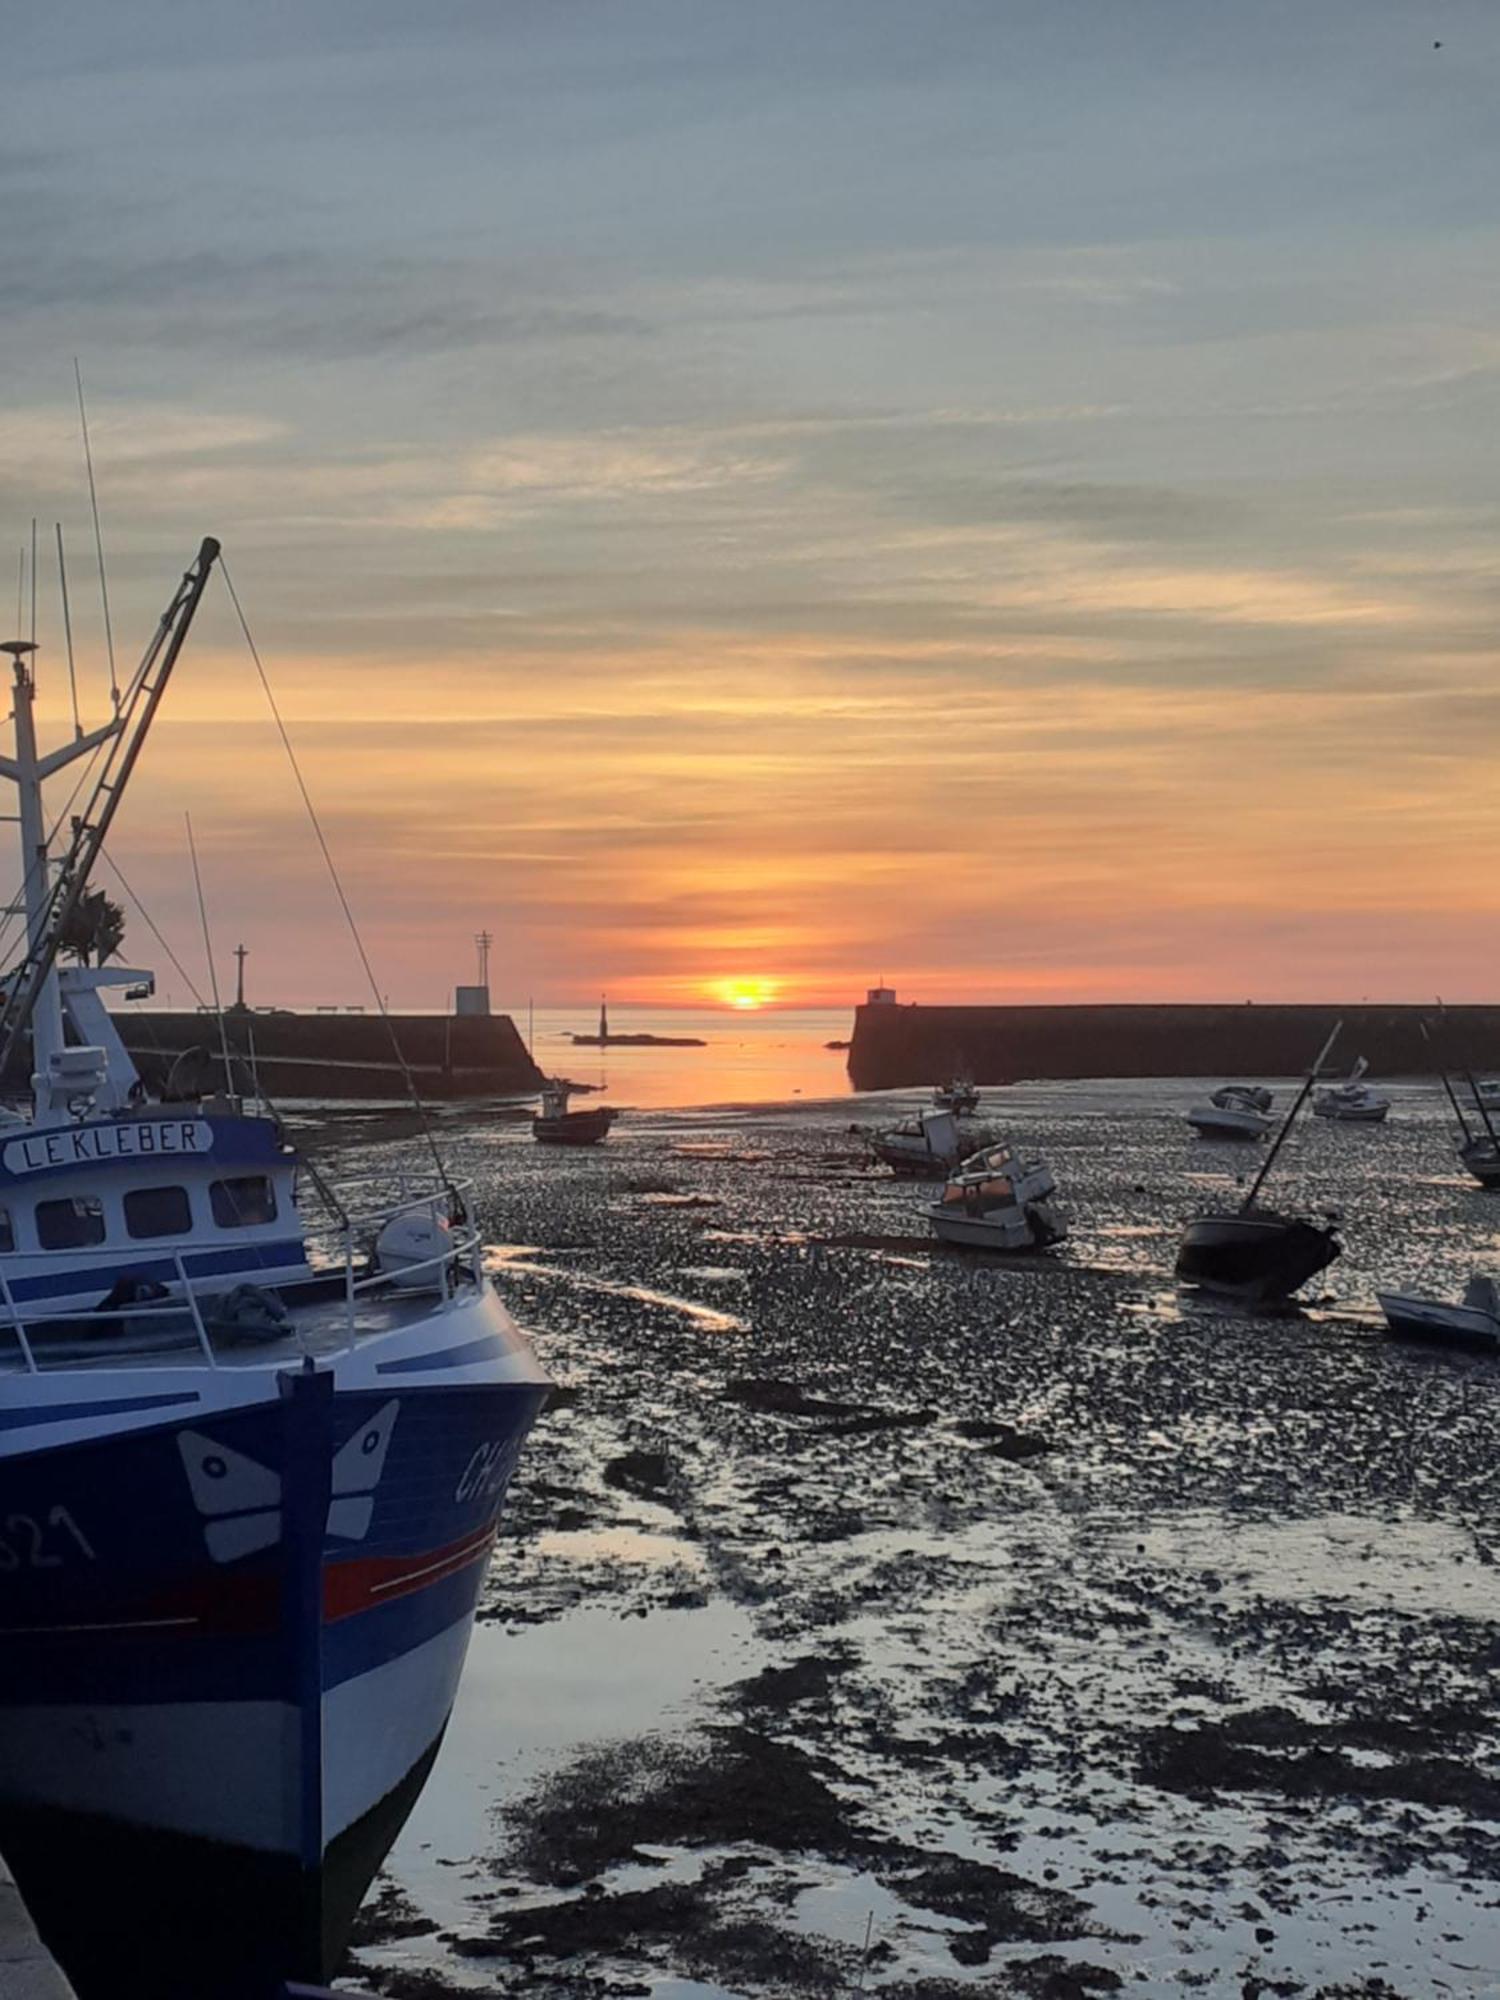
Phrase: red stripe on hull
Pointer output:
(357, 1585)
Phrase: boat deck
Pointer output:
(320, 1328)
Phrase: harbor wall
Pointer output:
(333, 1055)
(897, 1046)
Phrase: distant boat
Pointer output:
(1238, 1111)
(958, 1095)
(925, 1145)
(1479, 1150)
(556, 1125)
(997, 1200)
(1257, 1254)
(1473, 1325)
(1352, 1102)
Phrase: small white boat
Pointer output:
(959, 1095)
(1352, 1102)
(1475, 1324)
(927, 1144)
(1238, 1111)
(999, 1201)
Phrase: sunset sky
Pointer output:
(1005, 496)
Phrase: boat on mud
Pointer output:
(959, 1094)
(924, 1146)
(1258, 1254)
(556, 1125)
(251, 1467)
(1473, 1325)
(999, 1200)
(1352, 1102)
(1238, 1111)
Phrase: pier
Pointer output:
(28, 1970)
(897, 1047)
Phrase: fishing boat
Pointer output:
(959, 1094)
(926, 1145)
(1257, 1254)
(251, 1465)
(556, 1125)
(1473, 1325)
(1352, 1102)
(999, 1200)
(1238, 1111)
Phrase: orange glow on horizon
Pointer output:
(747, 995)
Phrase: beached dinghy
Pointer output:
(556, 1125)
(1352, 1102)
(1254, 1253)
(927, 1145)
(1238, 1111)
(249, 1483)
(999, 1201)
(1473, 1325)
(959, 1094)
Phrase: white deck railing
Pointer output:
(355, 1260)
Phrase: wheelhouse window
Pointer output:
(158, 1211)
(243, 1202)
(7, 1233)
(70, 1225)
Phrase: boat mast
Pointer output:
(1286, 1124)
(30, 999)
(29, 772)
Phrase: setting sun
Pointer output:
(746, 994)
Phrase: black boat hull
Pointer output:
(1259, 1256)
(573, 1128)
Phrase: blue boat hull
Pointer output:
(229, 1645)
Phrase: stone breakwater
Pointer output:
(897, 1047)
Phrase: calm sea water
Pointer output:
(761, 1057)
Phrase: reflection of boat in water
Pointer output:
(1253, 1253)
(1473, 1325)
(959, 1094)
(926, 1145)
(997, 1200)
(1352, 1102)
(1238, 1111)
(556, 1125)
(249, 1485)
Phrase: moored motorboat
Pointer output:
(556, 1125)
(250, 1477)
(1238, 1111)
(926, 1145)
(1473, 1325)
(1352, 1102)
(959, 1094)
(1258, 1254)
(999, 1200)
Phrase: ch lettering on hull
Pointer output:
(88, 1145)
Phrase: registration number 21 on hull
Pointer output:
(32, 1542)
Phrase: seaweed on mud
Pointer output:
(388, 1915)
(784, 1399)
(809, 1679)
(647, 1474)
(683, 1918)
(1000, 1907)
(1272, 1750)
(723, 1786)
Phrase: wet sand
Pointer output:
(1064, 1635)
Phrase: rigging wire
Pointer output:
(88, 459)
(62, 578)
(317, 827)
(208, 953)
(151, 925)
